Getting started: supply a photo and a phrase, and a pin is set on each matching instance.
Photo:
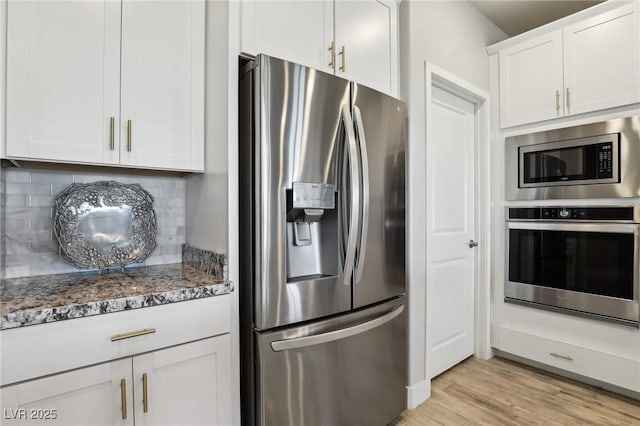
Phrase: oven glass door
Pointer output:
(587, 258)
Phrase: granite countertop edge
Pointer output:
(35, 316)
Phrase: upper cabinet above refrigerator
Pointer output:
(356, 40)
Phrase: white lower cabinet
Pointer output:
(87, 396)
(595, 363)
(186, 384)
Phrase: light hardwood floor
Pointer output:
(501, 392)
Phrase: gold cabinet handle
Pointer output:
(558, 101)
(557, 355)
(112, 129)
(129, 135)
(343, 62)
(131, 334)
(568, 98)
(145, 396)
(123, 398)
(332, 55)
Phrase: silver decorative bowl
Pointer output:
(105, 224)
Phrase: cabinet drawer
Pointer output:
(596, 364)
(37, 350)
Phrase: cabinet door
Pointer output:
(602, 61)
(185, 385)
(88, 396)
(367, 31)
(63, 79)
(297, 31)
(531, 86)
(162, 108)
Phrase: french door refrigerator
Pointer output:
(322, 285)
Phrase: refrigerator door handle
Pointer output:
(362, 246)
(317, 339)
(354, 166)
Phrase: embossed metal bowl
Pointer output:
(105, 224)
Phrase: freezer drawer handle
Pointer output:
(317, 339)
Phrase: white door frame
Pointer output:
(436, 76)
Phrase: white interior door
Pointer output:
(451, 127)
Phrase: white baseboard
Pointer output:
(418, 393)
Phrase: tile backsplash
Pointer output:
(29, 246)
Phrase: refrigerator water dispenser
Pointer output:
(312, 241)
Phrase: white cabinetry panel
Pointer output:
(607, 367)
(365, 29)
(583, 66)
(162, 84)
(531, 80)
(70, 97)
(299, 31)
(88, 396)
(354, 39)
(602, 61)
(187, 384)
(63, 79)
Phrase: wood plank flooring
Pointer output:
(501, 392)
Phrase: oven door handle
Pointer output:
(616, 228)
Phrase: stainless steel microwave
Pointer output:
(600, 160)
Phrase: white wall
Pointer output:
(452, 35)
(207, 205)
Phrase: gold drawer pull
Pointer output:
(132, 334)
(145, 395)
(123, 398)
(343, 54)
(112, 127)
(129, 142)
(557, 355)
(332, 51)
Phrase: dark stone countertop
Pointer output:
(42, 299)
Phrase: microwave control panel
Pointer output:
(605, 160)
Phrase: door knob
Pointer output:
(472, 244)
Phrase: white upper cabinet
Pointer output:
(63, 80)
(79, 72)
(531, 80)
(602, 61)
(299, 31)
(356, 40)
(585, 66)
(162, 120)
(365, 36)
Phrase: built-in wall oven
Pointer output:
(578, 260)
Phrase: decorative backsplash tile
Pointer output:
(29, 246)
(206, 261)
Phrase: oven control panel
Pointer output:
(573, 213)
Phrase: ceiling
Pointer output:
(517, 16)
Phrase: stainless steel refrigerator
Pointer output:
(322, 285)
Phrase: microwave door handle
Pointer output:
(317, 339)
(362, 246)
(354, 174)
